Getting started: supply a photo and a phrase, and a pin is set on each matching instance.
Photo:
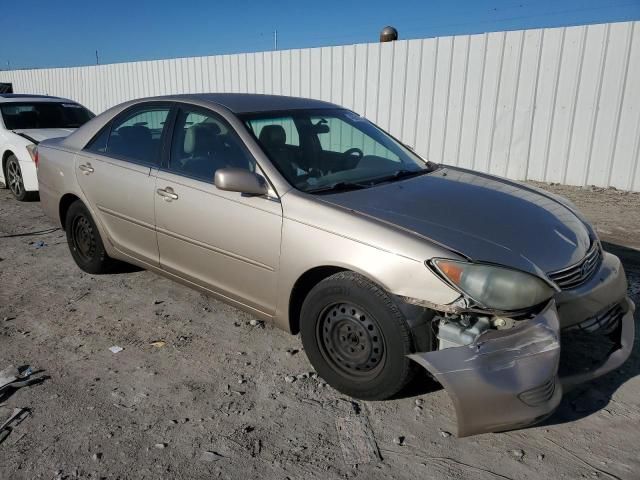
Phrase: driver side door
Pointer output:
(226, 242)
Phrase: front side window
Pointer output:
(136, 136)
(34, 115)
(202, 143)
(327, 150)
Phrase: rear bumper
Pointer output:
(29, 175)
(509, 378)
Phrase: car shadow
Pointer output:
(595, 395)
(122, 267)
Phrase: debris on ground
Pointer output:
(209, 456)
(17, 416)
(160, 446)
(116, 349)
(14, 378)
(517, 453)
(289, 379)
(158, 343)
(445, 434)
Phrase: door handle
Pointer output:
(86, 169)
(167, 194)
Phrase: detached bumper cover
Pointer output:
(509, 378)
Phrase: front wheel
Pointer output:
(356, 337)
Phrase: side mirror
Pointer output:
(240, 180)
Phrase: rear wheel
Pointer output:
(356, 337)
(84, 240)
(13, 176)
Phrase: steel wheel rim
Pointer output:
(14, 178)
(351, 341)
(82, 237)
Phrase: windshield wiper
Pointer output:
(401, 174)
(338, 187)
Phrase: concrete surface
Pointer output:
(214, 400)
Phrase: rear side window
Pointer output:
(136, 136)
(99, 143)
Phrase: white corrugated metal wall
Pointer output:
(557, 105)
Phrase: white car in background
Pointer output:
(26, 120)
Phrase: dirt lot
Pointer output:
(213, 402)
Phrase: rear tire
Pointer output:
(14, 181)
(356, 337)
(84, 241)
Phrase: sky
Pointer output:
(44, 33)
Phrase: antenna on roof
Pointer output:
(275, 39)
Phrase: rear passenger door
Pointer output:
(115, 174)
(224, 241)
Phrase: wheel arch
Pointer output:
(65, 202)
(5, 157)
(301, 289)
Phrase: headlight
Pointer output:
(495, 287)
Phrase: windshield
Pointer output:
(32, 115)
(328, 150)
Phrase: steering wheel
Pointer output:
(352, 151)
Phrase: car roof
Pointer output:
(240, 103)
(25, 97)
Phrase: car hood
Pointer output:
(39, 134)
(484, 218)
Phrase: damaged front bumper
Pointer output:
(509, 378)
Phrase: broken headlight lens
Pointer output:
(495, 287)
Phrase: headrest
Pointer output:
(273, 136)
(135, 133)
(199, 136)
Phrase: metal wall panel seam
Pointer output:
(574, 104)
(614, 138)
(447, 101)
(495, 103)
(553, 106)
(376, 119)
(479, 107)
(464, 96)
(594, 119)
(635, 159)
(404, 91)
(415, 123)
(433, 94)
(514, 103)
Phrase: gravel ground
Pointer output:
(225, 396)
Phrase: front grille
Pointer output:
(587, 345)
(606, 321)
(539, 395)
(576, 275)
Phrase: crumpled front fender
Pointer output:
(506, 379)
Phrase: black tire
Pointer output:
(84, 240)
(363, 353)
(13, 179)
